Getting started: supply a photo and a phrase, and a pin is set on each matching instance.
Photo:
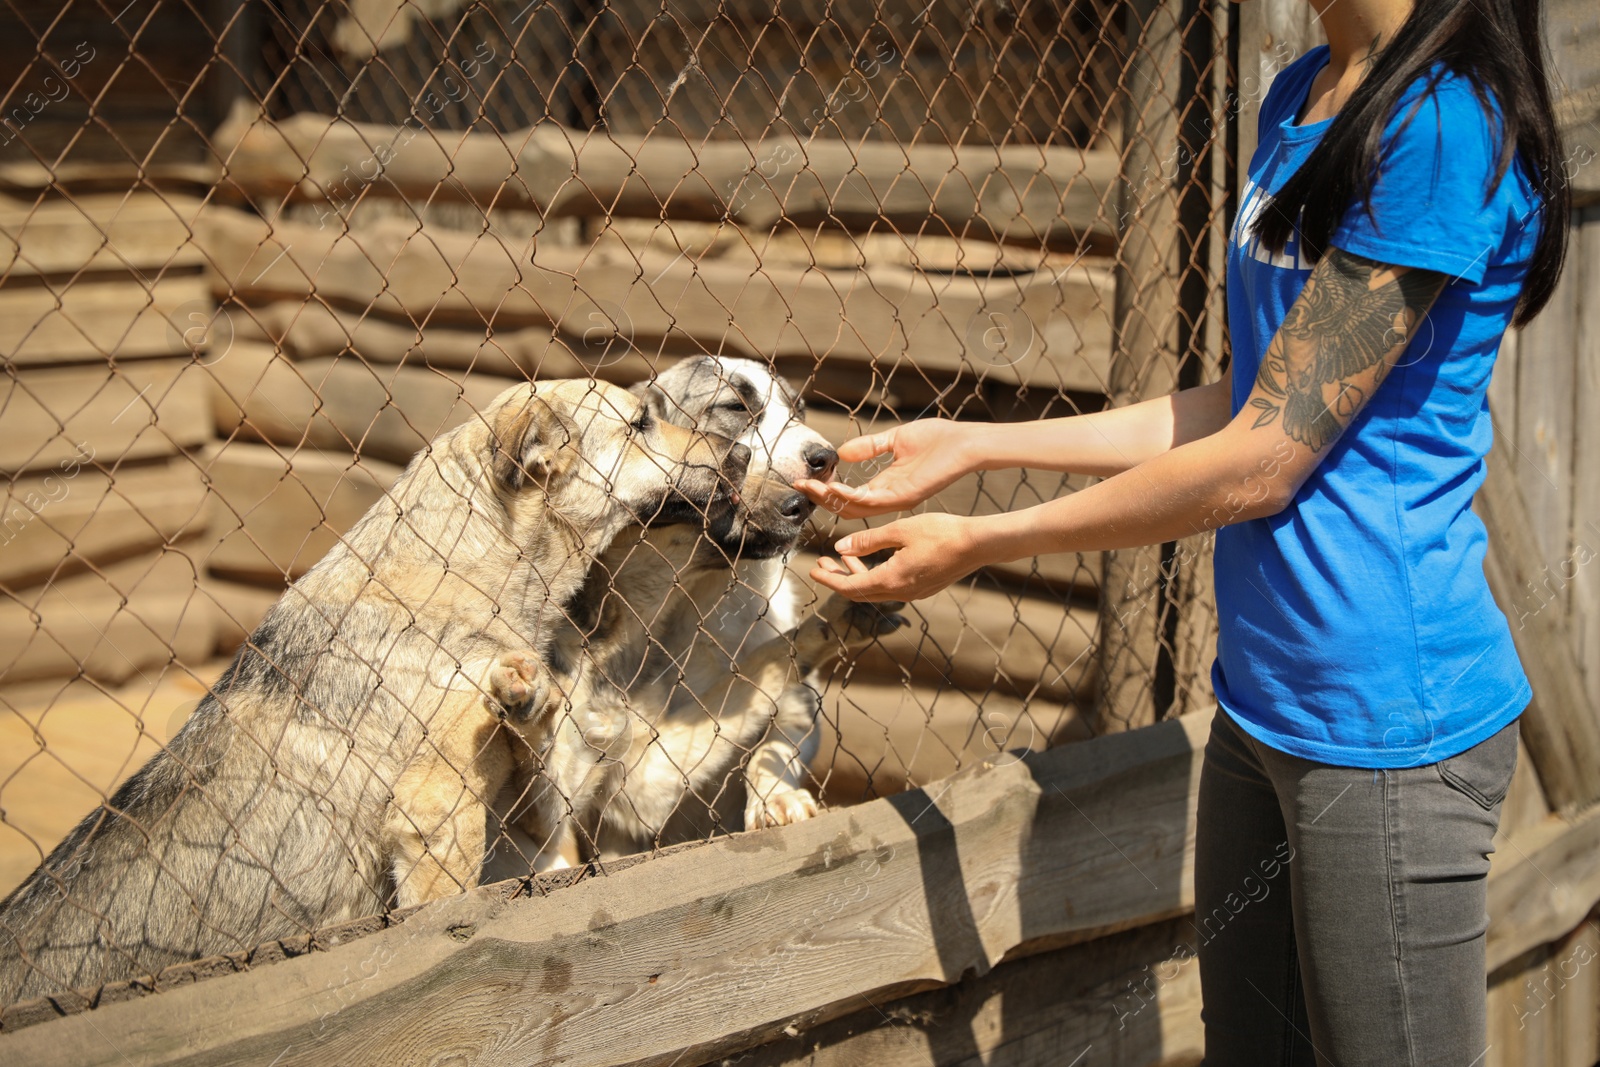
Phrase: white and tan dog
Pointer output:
(687, 661)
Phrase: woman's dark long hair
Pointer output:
(1498, 46)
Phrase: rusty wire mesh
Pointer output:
(258, 255)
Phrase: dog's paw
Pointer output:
(783, 807)
(844, 625)
(519, 687)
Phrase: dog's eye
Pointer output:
(643, 422)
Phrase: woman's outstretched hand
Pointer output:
(929, 454)
(930, 552)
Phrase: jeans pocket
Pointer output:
(1483, 772)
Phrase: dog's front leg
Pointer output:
(774, 791)
(770, 681)
(435, 832)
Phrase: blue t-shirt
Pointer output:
(1356, 626)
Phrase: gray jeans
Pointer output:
(1341, 911)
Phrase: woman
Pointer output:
(1367, 683)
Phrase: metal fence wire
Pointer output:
(259, 257)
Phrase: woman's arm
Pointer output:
(929, 454)
(1105, 442)
(1346, 329)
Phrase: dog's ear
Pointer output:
(655, 398)
(525, 441)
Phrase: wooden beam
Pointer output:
(130, 411)
(129, 619)
(98, 231)
(1562, 726)
(1019, 193)
(277, 512)
(1574, 37)
(341, 405)
(711, 949)
(1128, 1000)
(92, 320)
(1049, 329)
(1542, 884)
(986, 640)
(881, 738)
(52, 525)
(1133, 659)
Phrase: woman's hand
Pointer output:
(929, 454)
(930, 552)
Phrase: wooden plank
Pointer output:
(1545, 425)
(1561, 727)
(56, 524)
(342, 405)
(1049, 329)
(878, 739)
(1573, 32)
(100, 231)
(1022, 193)
(700, 947)
(984, 493)
(1525, 804)
(276, 513)
(127, 620)
(1584, 565)
(133, 411)
(308, 329)
(1542, 884)
(987, 640)
(1127, 1000)
(91, 321)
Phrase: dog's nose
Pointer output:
(796, 507)
(820, 461)
(737, 461)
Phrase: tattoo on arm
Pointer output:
(1334, 346)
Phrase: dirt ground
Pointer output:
(64, 746)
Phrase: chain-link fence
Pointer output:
(258, 257)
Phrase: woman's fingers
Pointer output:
(861, 583)
(859, 449)
(846, 501)
(866, 542)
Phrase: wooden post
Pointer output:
(1164, 226)
(1561, 727)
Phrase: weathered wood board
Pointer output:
(54, 524)
(277, 512)
(128, 620)
(342, 405)
(146, 232)
(1542, 1010)
(1544, 886)
(91, 320)
(1049, 330)
(1022, 193)
(986, 640)
(879, 738)
(1562, 727)
(1128, 1000)
(134, 411)
(698, 946)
